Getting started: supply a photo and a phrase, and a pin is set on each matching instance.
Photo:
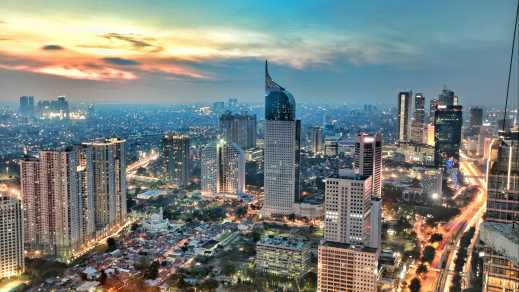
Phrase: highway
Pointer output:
(438, 276)
(474, 214)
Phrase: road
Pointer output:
(141, 162)
(468, 169)
(437, 277)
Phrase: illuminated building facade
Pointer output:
(175, 158)
(223, 168)
(404, 118)
(418, 124)
(282, 150)
(283, 255)
(11, 234)
(368, 159)
(447, 135)
(316, 138)
(500, 232)
(239, 129)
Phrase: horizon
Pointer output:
(173, 53)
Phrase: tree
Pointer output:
(153, 270)
(209, 284)
(428, 254)
(112, 244)
(240, 211)
(102, 277)
(415, 285)
(228, 269)
(437, 237)
(422, 269)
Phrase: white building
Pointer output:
(223, 169)
(11, 233)
(368, 159)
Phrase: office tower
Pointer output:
(348, 256)
(447, 135)
(500, 231)
(503, 180)
(476, 121)
(176, 159)
(52, 201)
(430, 134)
(433, 105)
(316, 137)
(418, 125)
(404, 120)
(347, 205)
(105, 162)
(282, 150)
(223, 168)
(368, 159)
(27, 106)
(11, 234)
(447, 98)
(239, 129)
(331, 146)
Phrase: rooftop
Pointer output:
(349, 246)
(283, 241)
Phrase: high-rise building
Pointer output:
(347, 205)
(418, 125)
(331, 146)
(316, 137)
(447, 135)
(404, 118)
(476, 121)
(105, 163)
(430, 134)
(53, 203)
(433, 105)
(447, 98)
(176, 158)
(282, 150)
(218, 107)
(346, 267)
(223, 168)
(500, 231)
(348, 256)
(239, 129)
(368, 159)
(27, 106)
(11, 234)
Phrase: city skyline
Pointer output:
(175, 53)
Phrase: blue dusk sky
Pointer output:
(169, 52)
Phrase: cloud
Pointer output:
(120, 61)
(52, 48)
(137, 41)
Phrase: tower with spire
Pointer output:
(282, 149)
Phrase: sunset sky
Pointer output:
(200, 51)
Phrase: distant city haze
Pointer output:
(335, 52)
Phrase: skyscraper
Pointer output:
(500, 231)
(418, 125)
(223, 168)
(27, 106)
(175, 158)
(476, 121)
(53, 204)
(105, 162)
(447, 98)
(282, 150)
(11, 234)
(404, 119)
(348, 256)
(239, 129)
(368, 159)
(433, 105)
(316, 137)
(447, 135)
